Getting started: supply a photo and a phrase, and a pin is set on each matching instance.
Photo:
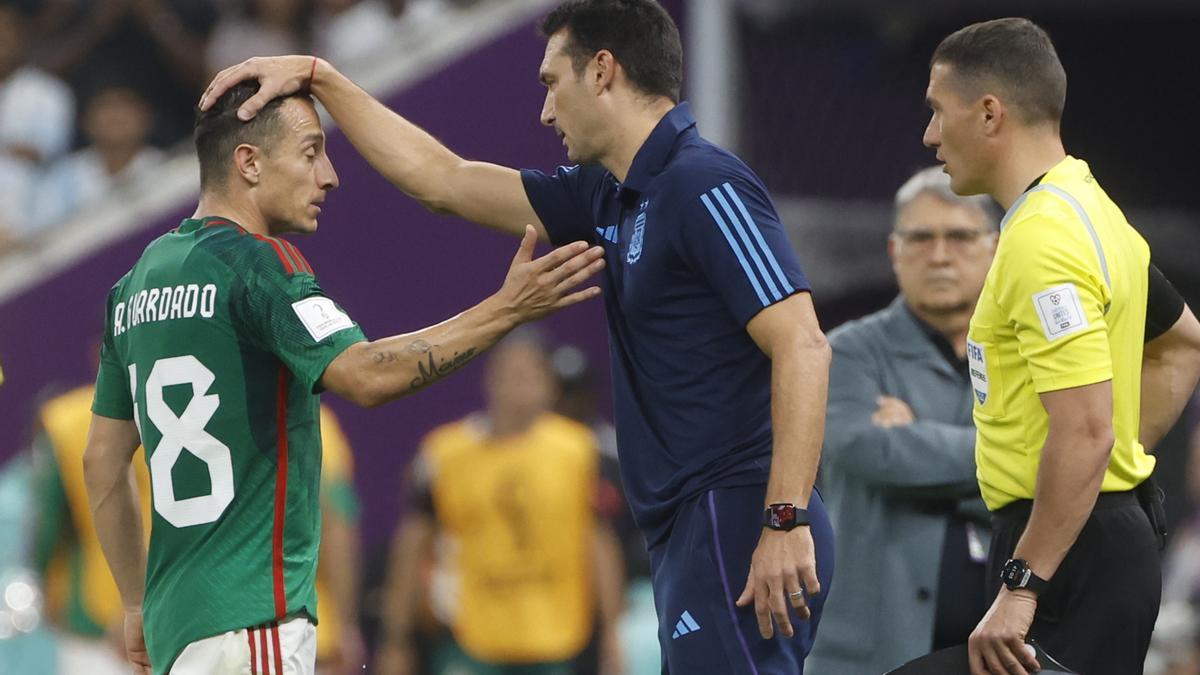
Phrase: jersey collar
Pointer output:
(1066, 167)
(190, 225)
(652, 157)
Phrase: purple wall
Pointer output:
(394, 266)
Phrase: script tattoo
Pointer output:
(431, 370)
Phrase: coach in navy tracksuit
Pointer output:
(696, 256)
(719, 365)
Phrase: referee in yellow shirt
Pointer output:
(1065, 402)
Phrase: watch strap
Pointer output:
(784, 516)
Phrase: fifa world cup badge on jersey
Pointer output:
(321, 317)
(635, 242)
(978, 366)
(1060, 311)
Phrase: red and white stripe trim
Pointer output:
(266, 656)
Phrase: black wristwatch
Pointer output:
(1016, 574)
(784, 517)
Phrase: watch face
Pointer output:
(782, 515)
(1013, 574)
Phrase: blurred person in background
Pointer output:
(117, 124)
(155, 47)
(340, 648)
(1175, 645)
(82, 601)
(26, 644)
(259, 28)
(37, 122)
(513, 488)
(346, 31)
(638, 622)
(899, 469)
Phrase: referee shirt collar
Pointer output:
(652, 157)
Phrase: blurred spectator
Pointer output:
(345, 31)
(260, 28)
(639, 621)
(513, 489)
(577, 400)
(899, 455)
(155, 47)
(81, 597)
(36, 123)
(117, 125)
(1175, 645)
(26, 644)
(340, 647)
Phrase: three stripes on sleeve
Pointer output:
(746, 240)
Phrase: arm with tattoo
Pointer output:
(373, 373)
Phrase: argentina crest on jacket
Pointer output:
(635, 242)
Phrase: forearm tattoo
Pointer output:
(433, 368)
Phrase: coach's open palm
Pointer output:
(135, 643)
(537, 287)
(782, 561)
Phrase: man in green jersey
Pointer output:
(215, 346)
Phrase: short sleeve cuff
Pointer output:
(339, 342)
(1046, 383)
(112, 410)
(541, 192)
(746, 313)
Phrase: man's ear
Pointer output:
(247, 160)
(994, 114)
(605, 69)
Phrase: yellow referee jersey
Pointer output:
(1064, 305)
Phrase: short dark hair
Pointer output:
(1014, 54)
(218, 130)
(639, 33)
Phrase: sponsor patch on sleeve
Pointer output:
(321, 317)
(1060, 311)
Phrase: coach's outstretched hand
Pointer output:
(277, 76)
(537, 287)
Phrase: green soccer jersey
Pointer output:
(214, 344)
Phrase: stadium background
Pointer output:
(823, 98)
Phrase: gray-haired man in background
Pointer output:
(899, 468)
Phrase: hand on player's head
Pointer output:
(278, 76)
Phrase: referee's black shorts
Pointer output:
(1099, 611)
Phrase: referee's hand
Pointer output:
(997, 645)
(783, 572)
